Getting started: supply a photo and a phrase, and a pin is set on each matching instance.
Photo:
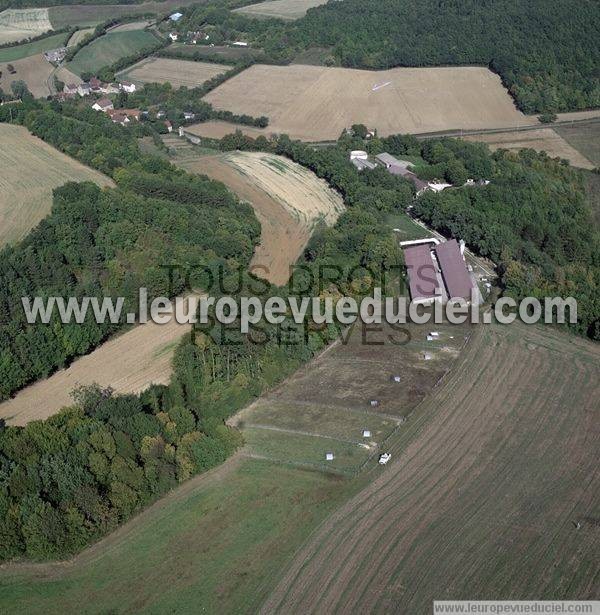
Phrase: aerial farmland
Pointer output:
(280, 9)
(288, 200)
(316, 103)
(176, 72)
(387, 395)
(31, 169)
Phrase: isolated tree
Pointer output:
(360, 130)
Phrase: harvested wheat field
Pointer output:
(486, 485)
(21, 24)
(35, 71)
(176, 72)
(316, 103)
(280, 9)
(217, 129)
(31, 169)
(289, 201)
(129, 363)
(541, 140)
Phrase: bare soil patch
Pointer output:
(544, 139)
(315, 103)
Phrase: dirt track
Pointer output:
(481, 498)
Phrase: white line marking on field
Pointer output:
(381, 85)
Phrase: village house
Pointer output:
(84, 89)
(189, 115)
(396, 166)
(124, 116)
(127, 86)
(70, 89)
(95, 84)
(120, 118)
(169, 126)
(175, 16)
(104, 105)
(173, 36)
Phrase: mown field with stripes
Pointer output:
(482, 500)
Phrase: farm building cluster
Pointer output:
(94, 87)
(438, 271)
(361, 160)
(55, 56)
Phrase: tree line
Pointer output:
(68, 480)
(545, 51)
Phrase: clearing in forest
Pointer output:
(280, 9)
(129, 363)
(31, 169)
(289, 202)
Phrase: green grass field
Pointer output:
(108, 49)
(9, 54)
(584, 137)
(215, 548)
(297, 448)
(490, 470)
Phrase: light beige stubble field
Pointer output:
(316, 103)
(176, 72)
(31, 169)
(288, 200)
(543, 139)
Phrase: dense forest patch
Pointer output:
(546, 51)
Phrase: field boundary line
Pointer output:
(298, 432)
